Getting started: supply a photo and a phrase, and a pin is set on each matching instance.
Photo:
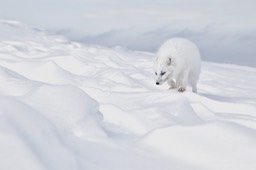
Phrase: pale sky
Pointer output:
(225, 30)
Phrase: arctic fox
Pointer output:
(178, 62)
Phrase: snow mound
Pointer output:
(78, 113)
(29, 140)
(64, 105)
(204, 145)
(14, 84)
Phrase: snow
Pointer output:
(64, 105)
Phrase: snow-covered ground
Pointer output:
(67, 106)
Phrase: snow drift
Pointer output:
(64, 105)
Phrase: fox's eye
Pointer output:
(162, 73)
(155, 73)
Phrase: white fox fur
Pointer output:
(178, 62)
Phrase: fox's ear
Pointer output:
(169, 61)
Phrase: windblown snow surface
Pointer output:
(67, 106)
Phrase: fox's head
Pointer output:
(163, 70)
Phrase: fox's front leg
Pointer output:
(182, 82)
(172, 84)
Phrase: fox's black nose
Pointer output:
(157, 83)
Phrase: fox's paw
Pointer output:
(182, 89)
